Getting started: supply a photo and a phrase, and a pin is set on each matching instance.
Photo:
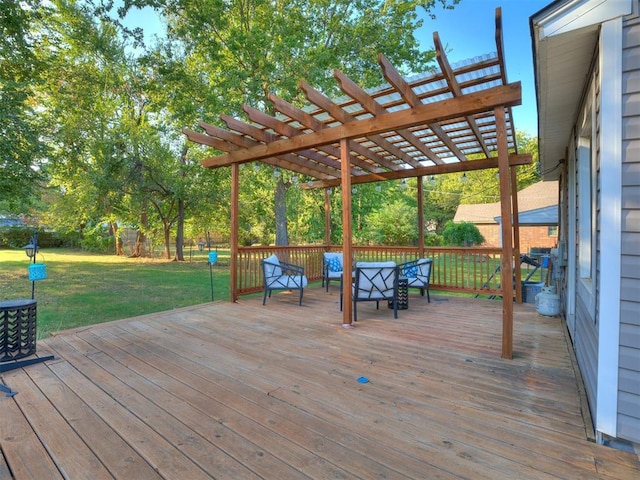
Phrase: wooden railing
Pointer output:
(464, 270)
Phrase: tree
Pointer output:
(111, 119)
(21, 148)
(393, 224)
(245, 50)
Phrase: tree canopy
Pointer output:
(93, 116)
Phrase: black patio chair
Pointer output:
(373, 282)
(279, 275)
(418, 274)
(332, 267)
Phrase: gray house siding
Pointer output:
(586, 328)
(628, 424)
(589, 117)
(586, 348)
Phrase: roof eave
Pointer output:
(564, 38)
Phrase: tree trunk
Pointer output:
(181, 206)
(282, 235)
(179, 257)
(115, 231)
(141, 237)
(166, 227)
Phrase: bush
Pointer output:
(96, 242)
(433, 240)
(393, 224)
(18, 237)
(462, 234)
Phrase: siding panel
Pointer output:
(630, 265)
(631, 127)
(628, 424)
(631, 173)
(587, 351)
(629, 382)
(629, 428)
(631, 218)
(629, 313)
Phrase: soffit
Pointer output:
(565, 36)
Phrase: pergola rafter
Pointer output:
(339, 114)
(313, 124)
(370, 105)
(455, 120)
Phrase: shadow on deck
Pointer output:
(238, 391)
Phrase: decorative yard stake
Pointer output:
(213, 258)
(37, 271)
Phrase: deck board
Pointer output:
(245, 391)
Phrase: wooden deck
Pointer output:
(235, 391)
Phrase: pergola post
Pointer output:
(516, 234)
(235, 189)
(327, 218)
(345, 183)
(420, 199)
(506, 265)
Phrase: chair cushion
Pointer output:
(375, 280)
(272, 270)
(410, 271)
(376, 264)
(335, 265)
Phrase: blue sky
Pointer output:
(467, 31)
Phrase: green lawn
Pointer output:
(83, 288)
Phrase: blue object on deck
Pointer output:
(363, 380)
(545, 261)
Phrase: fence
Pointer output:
(464, 270)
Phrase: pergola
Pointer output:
(455, 120)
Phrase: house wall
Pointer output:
(585, 331)
(530, 237)
(628, 424)
(588, 319)
(579, 289)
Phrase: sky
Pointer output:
(467, 31)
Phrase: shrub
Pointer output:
(462, 234)
(18, 237)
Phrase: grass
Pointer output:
(83, 288)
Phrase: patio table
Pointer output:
(17, 329)
(403, 294)
(18, 334)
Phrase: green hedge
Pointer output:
(18, 237)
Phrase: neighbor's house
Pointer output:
(587, 68)
(538, 218)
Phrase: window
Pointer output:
(585, 194)
(552, 230)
